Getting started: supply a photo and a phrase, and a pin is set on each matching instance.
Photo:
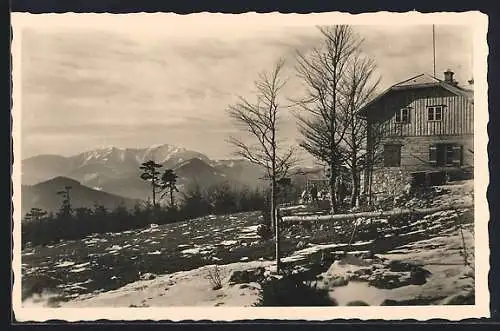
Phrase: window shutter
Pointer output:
(457, 155)
(433, 155)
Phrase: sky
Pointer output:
(94, 85)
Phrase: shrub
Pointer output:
(357, 303)
(215, 278)
(291, 291)
(264, 231)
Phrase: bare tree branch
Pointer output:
(260, 121)
(323, 124)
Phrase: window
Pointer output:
(403, 116)
(392, 155)
(435, 113)
(449, 155)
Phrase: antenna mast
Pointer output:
(434, 50)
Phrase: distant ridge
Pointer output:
(44, 195)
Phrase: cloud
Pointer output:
(85, 87)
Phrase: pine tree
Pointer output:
(151, 174)
(168, 183)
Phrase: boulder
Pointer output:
(301, 244)
(367, 255)
(338, 281)
(147, 276)
(247, 276)
(387, 279)
(363, 271)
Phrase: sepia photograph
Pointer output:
(200, 166)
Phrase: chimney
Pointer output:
(448, 77)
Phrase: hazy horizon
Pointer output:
(89, 87)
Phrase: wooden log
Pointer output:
(291, 208)
(385, 213)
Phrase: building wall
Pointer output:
(392, 181)
(415, 150)
(457, 115)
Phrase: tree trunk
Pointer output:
(331, 184)
(277, 243)
(172, 197)
(370, 181)
(153, 184)
(355, 187)
(273, 202)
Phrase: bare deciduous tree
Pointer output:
(323, 124)
(358, 87)
(260, 120)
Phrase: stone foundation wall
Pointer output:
(390, 181)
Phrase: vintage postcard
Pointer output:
(252, 166)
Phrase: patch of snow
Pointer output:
(64, 264)
(76, 270)
(157, 252)
(249, 229)
(114, 248)
(81, 265)
(228, 242)
(191, 251)
(249, 236)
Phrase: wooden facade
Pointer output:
(457, 113)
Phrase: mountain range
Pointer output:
(111, 176)
(116, 170)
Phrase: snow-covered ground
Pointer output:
(441, 256)
(109, 269)
(185, 288)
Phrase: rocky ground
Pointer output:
(392, 262)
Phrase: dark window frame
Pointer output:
(403, 116)
(432, 113)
